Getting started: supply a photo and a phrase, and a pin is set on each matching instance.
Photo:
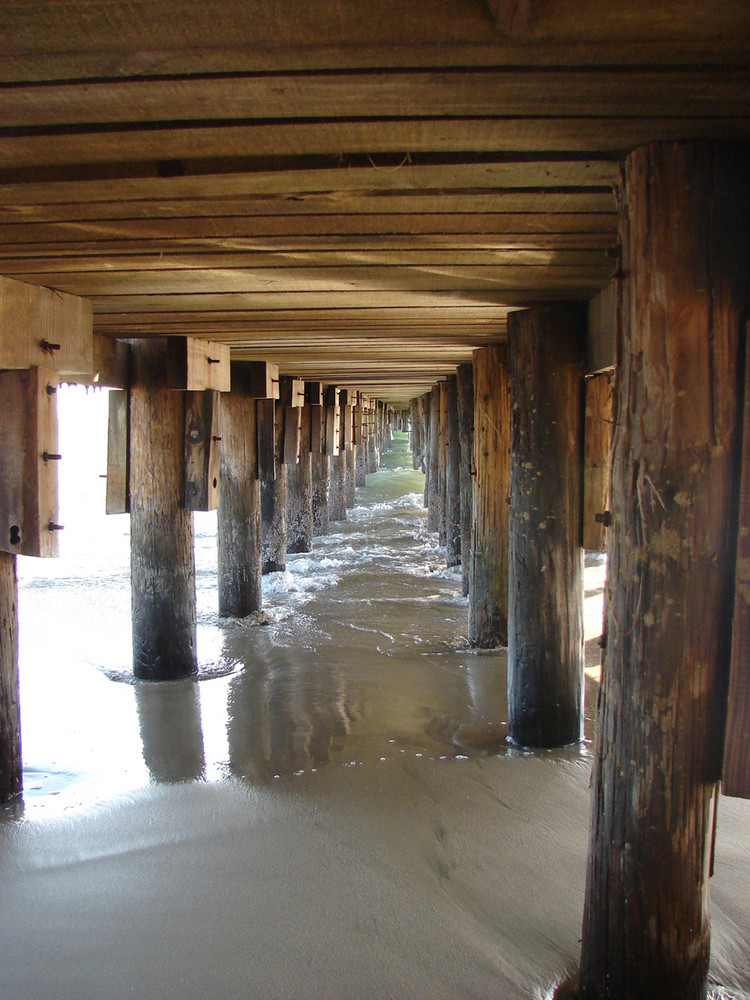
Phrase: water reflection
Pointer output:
(286, 716)
(169, 721)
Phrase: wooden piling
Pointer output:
(10, 713)
(414, 428)
(350, 459)
(373, 455)
(424, 418)
(452, 476)
(545, 628)
(273, 504)
(433, 482)
(321, 477)
(442, 460)
(299, 493)
(488, 577)
(671, 551)
(465, 385)
(239, 527)
(162, 560)
(596, 471)
(337, 495)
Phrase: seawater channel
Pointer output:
(330, 811)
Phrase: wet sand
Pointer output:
(331, 812)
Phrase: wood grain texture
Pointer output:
(44, 328)
(162, 561)
(736, 772)
(29, 456)
(488, 577)
(11, 771)
(321, 484)
(453, 553)
(663, 703)
(239, 530)
(299, 491)
(273, 501)
(202, 448)
(597, 444)
(117, 500)
(350, 459)
(158, 38)
(545, 635)
(442, 460)
(337, 493)
(547, 91)
(433, 481)
(465, 400)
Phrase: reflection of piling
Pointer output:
(284, 716)
(169, 716)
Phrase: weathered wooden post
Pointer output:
(442, 460)
(488, 576)
(414, 428)
(239, 526)
(337, 488)
(360, 437)
(299, 495)
(272, 487)
(30, 366)
(320, 461)
(452, 476)
(686, 265)
(433, 460)
(10, 711)
(545, 628)
(596, 470)
(465, 384)
(162, 560)
(347, 442)
(425, 403)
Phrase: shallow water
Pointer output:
(331, 811)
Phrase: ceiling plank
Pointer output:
(551, 91)
(387, 136)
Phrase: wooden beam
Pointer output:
(266, 427)
(44, 328)
(196, 365)
(602, 329)
(291, 391)
(485, 134)
(202, 450)
(596, 461)
(260, 379)
(117, 499)
(546, 91)
(29, 459)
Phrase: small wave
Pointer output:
(296, 583)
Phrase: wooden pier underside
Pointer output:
(350, 201)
